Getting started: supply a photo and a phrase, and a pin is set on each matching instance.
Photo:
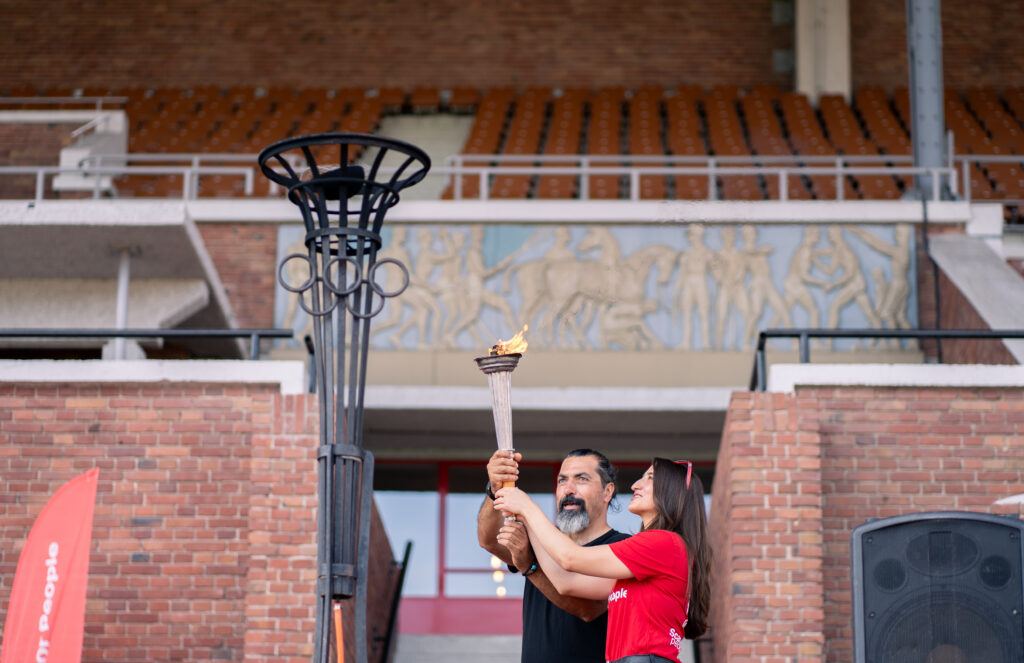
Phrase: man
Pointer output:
(556, 628)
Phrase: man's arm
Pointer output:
(501, 467)
(523, 557)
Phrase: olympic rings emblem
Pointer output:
(341, 293)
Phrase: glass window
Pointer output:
(413, 516)
(470, 571)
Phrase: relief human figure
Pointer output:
(691, 286)
(449, 283)
(730, 270)
(762, 290)
(622, 307)
(799, 276)
(579, 288)
(851, 283)
(391, 314)
(623, 321)
(420, 296)
(891, 300)
(475, 295)
(532, 280)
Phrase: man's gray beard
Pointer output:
(572, 521)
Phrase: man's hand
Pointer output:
(513, 536)
(503, 466)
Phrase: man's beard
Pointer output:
(572, 521)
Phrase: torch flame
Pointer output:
(516, 344)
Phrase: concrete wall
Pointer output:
(798, 471)
(204, 536)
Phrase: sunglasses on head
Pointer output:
(689, 470)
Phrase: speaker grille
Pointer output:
(943, 627)
(939, 588)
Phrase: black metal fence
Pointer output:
(254, 335)
(759, 374)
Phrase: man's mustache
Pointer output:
(570, 499)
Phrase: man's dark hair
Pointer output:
(605, 468)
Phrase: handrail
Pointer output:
(189, 175)
(456, 159)
(486, 166)
(759, 373)
(483, 173)
(91, 124)
(254, 335)
(62, 101)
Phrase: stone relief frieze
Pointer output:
(686, 287)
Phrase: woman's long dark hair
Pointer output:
(682, 511)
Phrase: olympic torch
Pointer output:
(498, 366)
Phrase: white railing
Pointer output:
(485, 167)
(95, 102)
(189, 183)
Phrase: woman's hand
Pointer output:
(512, 500)
(513, 536)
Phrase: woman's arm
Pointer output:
(564, 582)
(596, 561)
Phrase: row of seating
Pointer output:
(650, 121)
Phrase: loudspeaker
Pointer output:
(941, 587)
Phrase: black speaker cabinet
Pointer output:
(941, 587)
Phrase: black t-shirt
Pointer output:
(551, 634)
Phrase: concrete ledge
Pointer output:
(649, 399)
(784, 378)
(290, 376)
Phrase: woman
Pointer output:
(656, 581)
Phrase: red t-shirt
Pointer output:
(646, 613)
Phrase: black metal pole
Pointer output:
(343, 206)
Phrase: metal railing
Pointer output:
(254, 335)
(95, 102)
(759, 373)
(954, 177)
(456, 174)
(189, 176)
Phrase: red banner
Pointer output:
(46, 614)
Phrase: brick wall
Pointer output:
(30, 145)
(800, 471)
(400, 43)
(245, 255)
(959, 313)
(977, 40)
(204, 534)
(956, 313)
(766, 521)
(449, 42)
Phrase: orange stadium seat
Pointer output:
(523, 137)
(845, 133)
(563, 137)
(685, 138)
(766, 138)
(808, 139)
(484, 136)
(645, 137)
(725, 134)
(604, 137)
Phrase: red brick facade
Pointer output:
(204, 538)
(30, 145)
(797, 472)
(482, 44)
(959, 313)
(976, 39)
(245, 255)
